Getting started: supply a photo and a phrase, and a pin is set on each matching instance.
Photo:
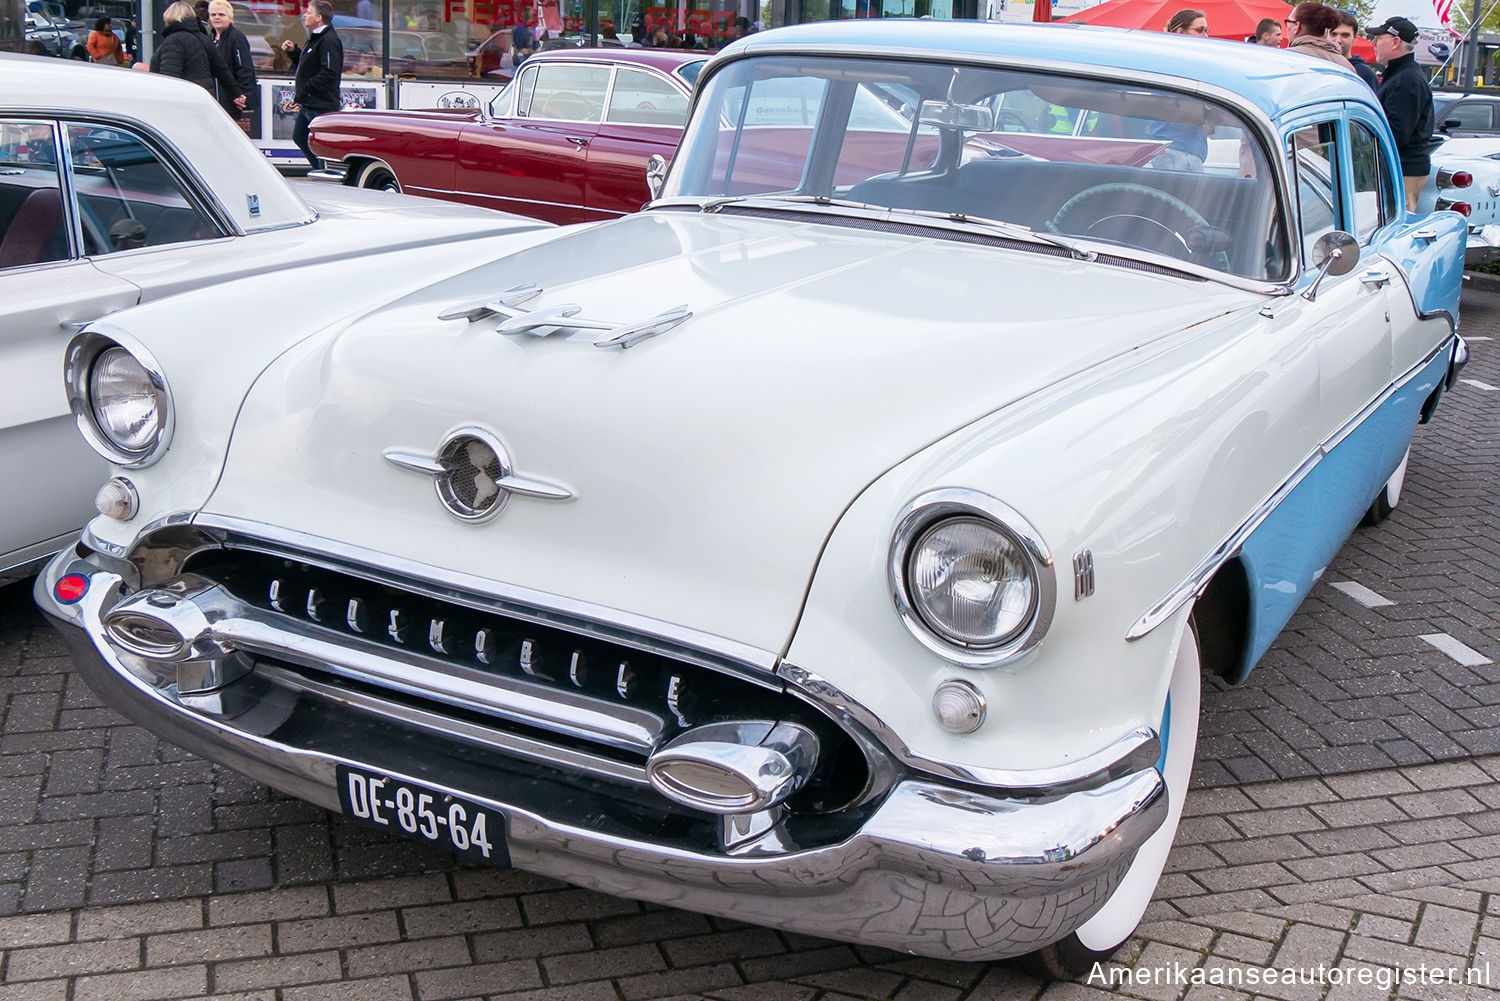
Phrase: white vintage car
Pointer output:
(1465, 178)
(838, 544)
(118, 188)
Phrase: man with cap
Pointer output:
(1407, 100)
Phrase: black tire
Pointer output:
(378, 177)
(1389, 496)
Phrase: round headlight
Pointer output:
(118, 396)
(126, 406)
(971, 582)
(971, 578)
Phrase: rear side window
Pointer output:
(641, 98)
(1373, 203)
(33, 227)
(127, 197)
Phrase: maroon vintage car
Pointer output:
(566, 141)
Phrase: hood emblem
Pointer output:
(517, 318)
(474, 475)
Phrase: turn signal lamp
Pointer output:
(1449, 178)
(1462, 208)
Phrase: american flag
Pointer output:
(1444, 10)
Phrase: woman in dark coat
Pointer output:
(234, 48)
(186, 53)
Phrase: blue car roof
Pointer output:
(1275, 80)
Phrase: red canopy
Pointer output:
(1231, 19)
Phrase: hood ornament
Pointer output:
(541, 321)
(474, 475)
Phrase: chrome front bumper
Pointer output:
(935, 869)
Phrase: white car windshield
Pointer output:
(1074, 158)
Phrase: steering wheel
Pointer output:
(1165, 237)
(565, 105)
(645, 106)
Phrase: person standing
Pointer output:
(522, 44)
(186, 53)
(103, 46)
(1312, 33)
(234, 49)
(320, 66)
(1344, 35)
(132, 40)
(1268, 32)
(1188, 22)
(1407, 100)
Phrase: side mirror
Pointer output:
(1449, 123)
(656, 174)
(1336, 254)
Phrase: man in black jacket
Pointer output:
(320, 66)
(1407, 100)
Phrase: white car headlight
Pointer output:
(118, 396)
(971, 578)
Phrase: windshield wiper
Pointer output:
(963, 219)
(1009, 228)
(715, 204)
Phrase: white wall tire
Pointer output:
(1099, 936)
(378, 177)
(1390, 494)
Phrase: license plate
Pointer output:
(415, 811)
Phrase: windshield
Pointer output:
(1072, 157)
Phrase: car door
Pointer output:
(48, 476)
(534, 162)
(645, 114)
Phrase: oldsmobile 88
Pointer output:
(837, 544)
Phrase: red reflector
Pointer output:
(1447, 178)
(70, 588)
(1462, 208)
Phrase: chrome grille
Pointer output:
(652, 698)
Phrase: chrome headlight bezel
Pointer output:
(78, 367)
(927, 511)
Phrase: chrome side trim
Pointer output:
(1138, 749)
(1193, 585)
(613, 625)
(457, 729)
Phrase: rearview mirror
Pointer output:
(969, 117)
(1336, 254)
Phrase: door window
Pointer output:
(1314, 154)
(1373, 204)
(1475, 116)
(127, 197)
(33, 226)
(569, 93)
(641, 98)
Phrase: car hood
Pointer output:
(709, 463)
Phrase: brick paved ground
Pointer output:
(1346, 813)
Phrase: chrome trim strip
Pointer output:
(1194, 583)
(1133, 751)
(457, 729)
(610, 624)
(933, 506)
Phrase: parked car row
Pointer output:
(738, 554)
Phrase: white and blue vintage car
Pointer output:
(838, 544)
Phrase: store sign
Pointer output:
(1435, 46)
